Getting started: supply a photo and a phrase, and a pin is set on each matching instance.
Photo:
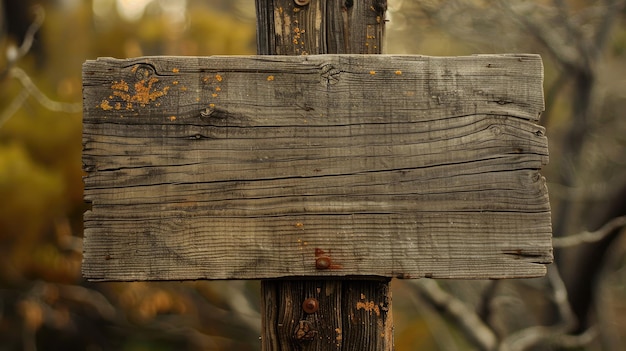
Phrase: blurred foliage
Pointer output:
(45, 304)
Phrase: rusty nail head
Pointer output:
(322, 262)
(302, 2)
(310, 305)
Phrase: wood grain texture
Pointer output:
(242, 167)
(352, 315)
(320, 27)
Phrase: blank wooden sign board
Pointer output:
(255, 167)
(323, 175)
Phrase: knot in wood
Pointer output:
(495, 130)
(143, 71)
(207, 112)
(304, 331)
(302, 2)
(329, 74)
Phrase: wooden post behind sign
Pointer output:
(352, 314)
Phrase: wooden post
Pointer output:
(352, 314)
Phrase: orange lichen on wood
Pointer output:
(105, 105)
(144, 94)
(368, 306)
(120, 89)
(121, 85)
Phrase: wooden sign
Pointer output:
(251, 167)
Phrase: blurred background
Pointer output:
(46, 305)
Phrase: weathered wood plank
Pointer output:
(246, 167)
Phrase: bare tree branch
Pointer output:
(238, 302)
(572, 32)
(436, 324)
(559, 296)
(484, 337)
(556, 334)
(13, 107)
(88, 297)
(590, 237)
(30, 89)
(542, 31)
(469, 322)
(551, 335)
(13, 54)
(611, 10)
(580, 340)
(485, 307)
(44, 100)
